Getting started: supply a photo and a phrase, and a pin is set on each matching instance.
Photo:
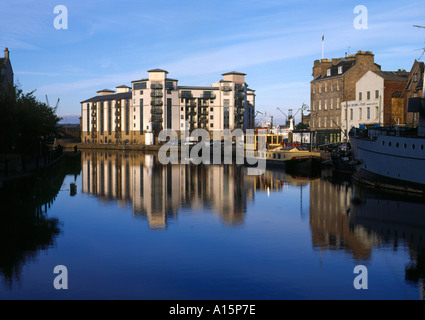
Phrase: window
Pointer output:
(376, 113)
(368, 113)
(326, 104)
(139, 85)
(141, 116)
(314, 88)
(415, 77)
(368, 95)
(332, 104)
(337, 103)
(211, 117)
(360, 113)
(326, 87)
(360, 96)
(320, 105)
(351, 114)
(328, 72)
(211, 109)
(376, 94)
(340, 70)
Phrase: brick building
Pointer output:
(334, 82)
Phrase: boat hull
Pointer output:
(395, 160)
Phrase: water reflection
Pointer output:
(157, 191)
(25, 228)
(356, 219)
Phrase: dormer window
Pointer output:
(328, 72)
(415, 77)
(340, 70)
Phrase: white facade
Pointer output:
(158, 100)
(367, 109)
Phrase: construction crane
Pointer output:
(48, 104)
(423, 49)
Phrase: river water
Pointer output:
(124, 226)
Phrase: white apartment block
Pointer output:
(124, 116)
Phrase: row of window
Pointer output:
(368, 95)
(332, 85)
(318, 104)
(368, 113)
(325, 122)
(397, 145)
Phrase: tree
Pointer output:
(26, 125)
(301, 126)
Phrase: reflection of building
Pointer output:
(157, 191)
(123, 116)
(397, 220)
(329, 220)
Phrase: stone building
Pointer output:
(334, 82)
(6, 73)
(413, 89)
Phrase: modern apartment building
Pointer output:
(158, 102)
(334, 82)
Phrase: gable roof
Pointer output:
(393, 75)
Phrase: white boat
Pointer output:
(392, 157)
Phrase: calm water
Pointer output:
(131, 228)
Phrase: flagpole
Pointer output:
(323, 46)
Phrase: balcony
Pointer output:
(117, 113)
(117, 120)
(239, 94)
(239, 87)
(226, 88)
(156, 118)
(209, 96)
(156, 110)
(157, 94)
(93, 107)
(156, 85)
(157, 103)
(186, 95)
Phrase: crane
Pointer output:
(48, 104)
(423, 52)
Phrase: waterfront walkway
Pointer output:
(31, 167)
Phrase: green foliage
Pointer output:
(25, 123)
(301, 126)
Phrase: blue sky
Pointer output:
(275, 42)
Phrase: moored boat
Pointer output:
(291, 157)
(392, 157)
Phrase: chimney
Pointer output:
(6, 54)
